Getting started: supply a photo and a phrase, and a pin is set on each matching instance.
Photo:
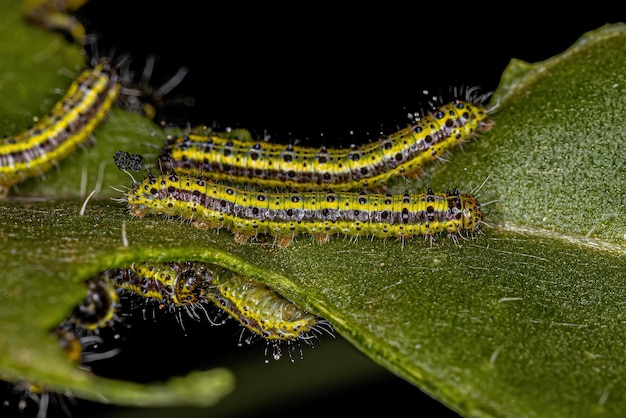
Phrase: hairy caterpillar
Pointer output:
(247, 213)
(191, 284)
(80, 333)
(172, 285)
(260, 309)
(70, 123)
(371, 165)
(100, 307)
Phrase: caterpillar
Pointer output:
(57, 15)
(100, 307)
(247, 213)
(191, 284)
(368, 166)
(172, 285)
(80, 333)
(70, 123)
(260, 309)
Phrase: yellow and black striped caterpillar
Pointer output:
(69, 125)
(213, 205)
(369, 166)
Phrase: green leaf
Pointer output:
(523, 320)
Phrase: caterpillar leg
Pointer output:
(321, 238)
(241, 238)
(284, 240)
(204, 224)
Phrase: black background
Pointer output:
(316, 74)
(297, 73)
